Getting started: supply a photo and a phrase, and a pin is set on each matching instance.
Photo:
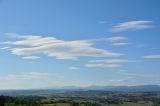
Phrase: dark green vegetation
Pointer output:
(84, 98)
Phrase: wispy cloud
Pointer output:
(106, 63)
(3, 48)
(103, 65)
(29, 45)
(30, 80)
(102, 22)
(132, 25)
(116, 39)
(32, 75)
(151, 56)
(31, 57)
(141, 75)
(109, 61)
(73, 68)
(119, 44)
(115, 82)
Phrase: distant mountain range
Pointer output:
(53, 90)
(141, 88)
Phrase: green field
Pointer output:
(85, 98)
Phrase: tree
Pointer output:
(2, 100)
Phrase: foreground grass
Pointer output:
(124, 104)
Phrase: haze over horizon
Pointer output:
(47, 43)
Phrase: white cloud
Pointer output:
(147, 75)
(122, 70)
(31, 57)
(102, 22)
(103, 65)
(73, 68)
(119, 44)
(132, 25)
(32, 76)
(29, 45)
(3, 48)
(116, 39)
(30, 80)
(151, 56)
(110, 61)
(106, 63)
(115, 82)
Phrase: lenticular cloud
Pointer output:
(31, 45)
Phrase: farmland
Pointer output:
(84, 98)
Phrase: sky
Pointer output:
(55, 43)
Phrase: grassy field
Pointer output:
(57, 104)
(124, 104)
(85, 98)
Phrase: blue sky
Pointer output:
(47, 43)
